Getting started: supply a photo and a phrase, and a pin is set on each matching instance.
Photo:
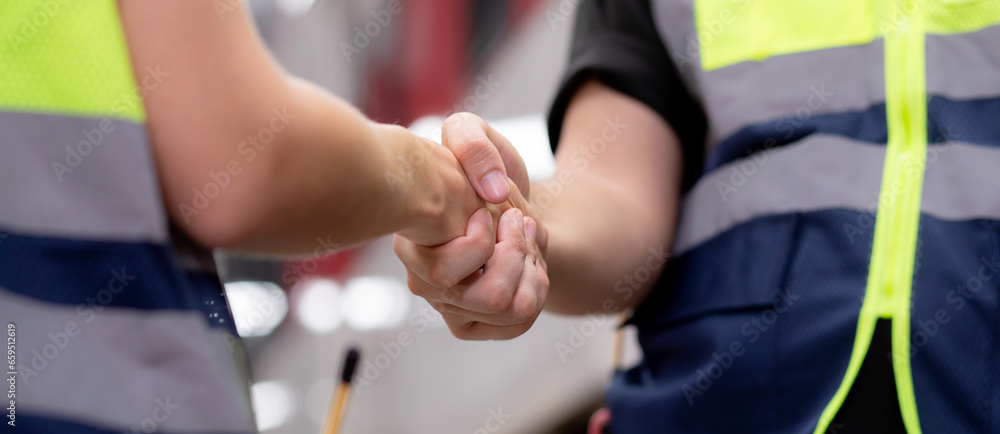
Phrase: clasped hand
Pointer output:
(491, 282)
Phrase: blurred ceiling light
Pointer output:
(273, 403)
(257, 307)
(375, 302)
(294, 8)
(317, 306)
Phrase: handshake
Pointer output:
(490, 280)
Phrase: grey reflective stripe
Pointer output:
(64, 176)
(125, 368)
(820, 172)
(833, 172)
(962, 182)
(959, 66)
(965, 65)
(800, 85)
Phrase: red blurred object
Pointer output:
(521, 8)
(429, 69)
(598, 421)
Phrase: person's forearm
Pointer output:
(252, 159)
(611, 207)
(597, 243)
(334, 175)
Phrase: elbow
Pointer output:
(215, 226)
(219, 201)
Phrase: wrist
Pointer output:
(437, 197)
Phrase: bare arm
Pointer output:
(617, 202)
(301, 163)
(610, 208)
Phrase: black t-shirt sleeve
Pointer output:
(616, 43)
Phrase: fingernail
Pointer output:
(495, 186)
(530, 228)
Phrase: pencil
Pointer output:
(336, 415)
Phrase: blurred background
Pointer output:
(413, 63)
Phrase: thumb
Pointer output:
(484, 155)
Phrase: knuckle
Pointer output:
(525, 309)
(397, 246)
(463, 331)
(458, 331)
(440, 276)
(484, 245)
(473, 150)
(521, 329)
(495, 300)
(449, 313)
(450, 295)
(416, 285)
(543, 281)
(412, 282)
(520, 245)
(461, 118)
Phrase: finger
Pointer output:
(445, 265)
(479, 331)
(512, 161)
(536, 232)
(528, 298)
(464, 135)
(421, 288)
(455, 313)
(443, 301)
(493, 291)
(487, 156)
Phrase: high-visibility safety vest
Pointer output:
(852, 174)
(115, 323)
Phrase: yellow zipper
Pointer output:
(890, 274)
